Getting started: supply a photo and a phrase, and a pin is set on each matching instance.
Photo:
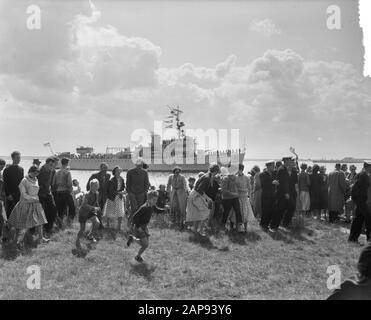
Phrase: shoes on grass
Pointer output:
(130, 240)
(44, 240)
(139, 259)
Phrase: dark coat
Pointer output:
(13, 176)
(283, 178)
(293, 180)
(137, 181)
(360, 188)
(112, 190)
(336, 191)
(316, 189)
(103, 179)
(352, 290)
(268, 189)
(203, 185)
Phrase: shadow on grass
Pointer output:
(144, 270)
(243, 238)
(109, 233)
(9, 249)
(203, 241)
(299, 231)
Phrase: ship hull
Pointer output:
(126, 164)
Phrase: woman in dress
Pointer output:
(114, 208)
(177, 189)
(198, 203)
(28, 212)
(244, 190)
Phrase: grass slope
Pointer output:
(180, 265)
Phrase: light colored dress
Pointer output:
(257, 192)
(197, 207)
(28, 212)
(115, 209)
(177, 189)
(243, 185)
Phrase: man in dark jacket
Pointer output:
(103, 177)
(268, 184)
(137, 185)
(285, 202)
(12, 176)
(361, 288)
(362, 213)
(45, 194)
(2, 195)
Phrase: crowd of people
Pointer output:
(46, 200)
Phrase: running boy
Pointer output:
(141, 219)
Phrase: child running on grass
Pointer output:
(89, 211)
(140, 222)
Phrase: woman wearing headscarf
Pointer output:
(199, 203)
(177, 189)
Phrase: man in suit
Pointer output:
(336, 192)
(45, 195)
(103, 177)
(137, 185)
(363, 212)
(285, 202)
(268, 184)
(12, 176)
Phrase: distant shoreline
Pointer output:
(348, 160)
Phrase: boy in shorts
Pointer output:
(89, 210)
(140, 222)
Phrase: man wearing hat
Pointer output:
(137, 185)
(268, 185)
(362, 213)
(285, 202)
(359, 289)
(45, 194)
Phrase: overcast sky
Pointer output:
(95, 72)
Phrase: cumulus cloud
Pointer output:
(93, 71)
(265, 27)
(72, 53)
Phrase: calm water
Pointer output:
(157, 178)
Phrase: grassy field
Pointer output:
(180, 265)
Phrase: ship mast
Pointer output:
(175, 113)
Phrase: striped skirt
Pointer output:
(27, 215)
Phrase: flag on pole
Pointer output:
(47, 144)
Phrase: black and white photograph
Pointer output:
(169, 150)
